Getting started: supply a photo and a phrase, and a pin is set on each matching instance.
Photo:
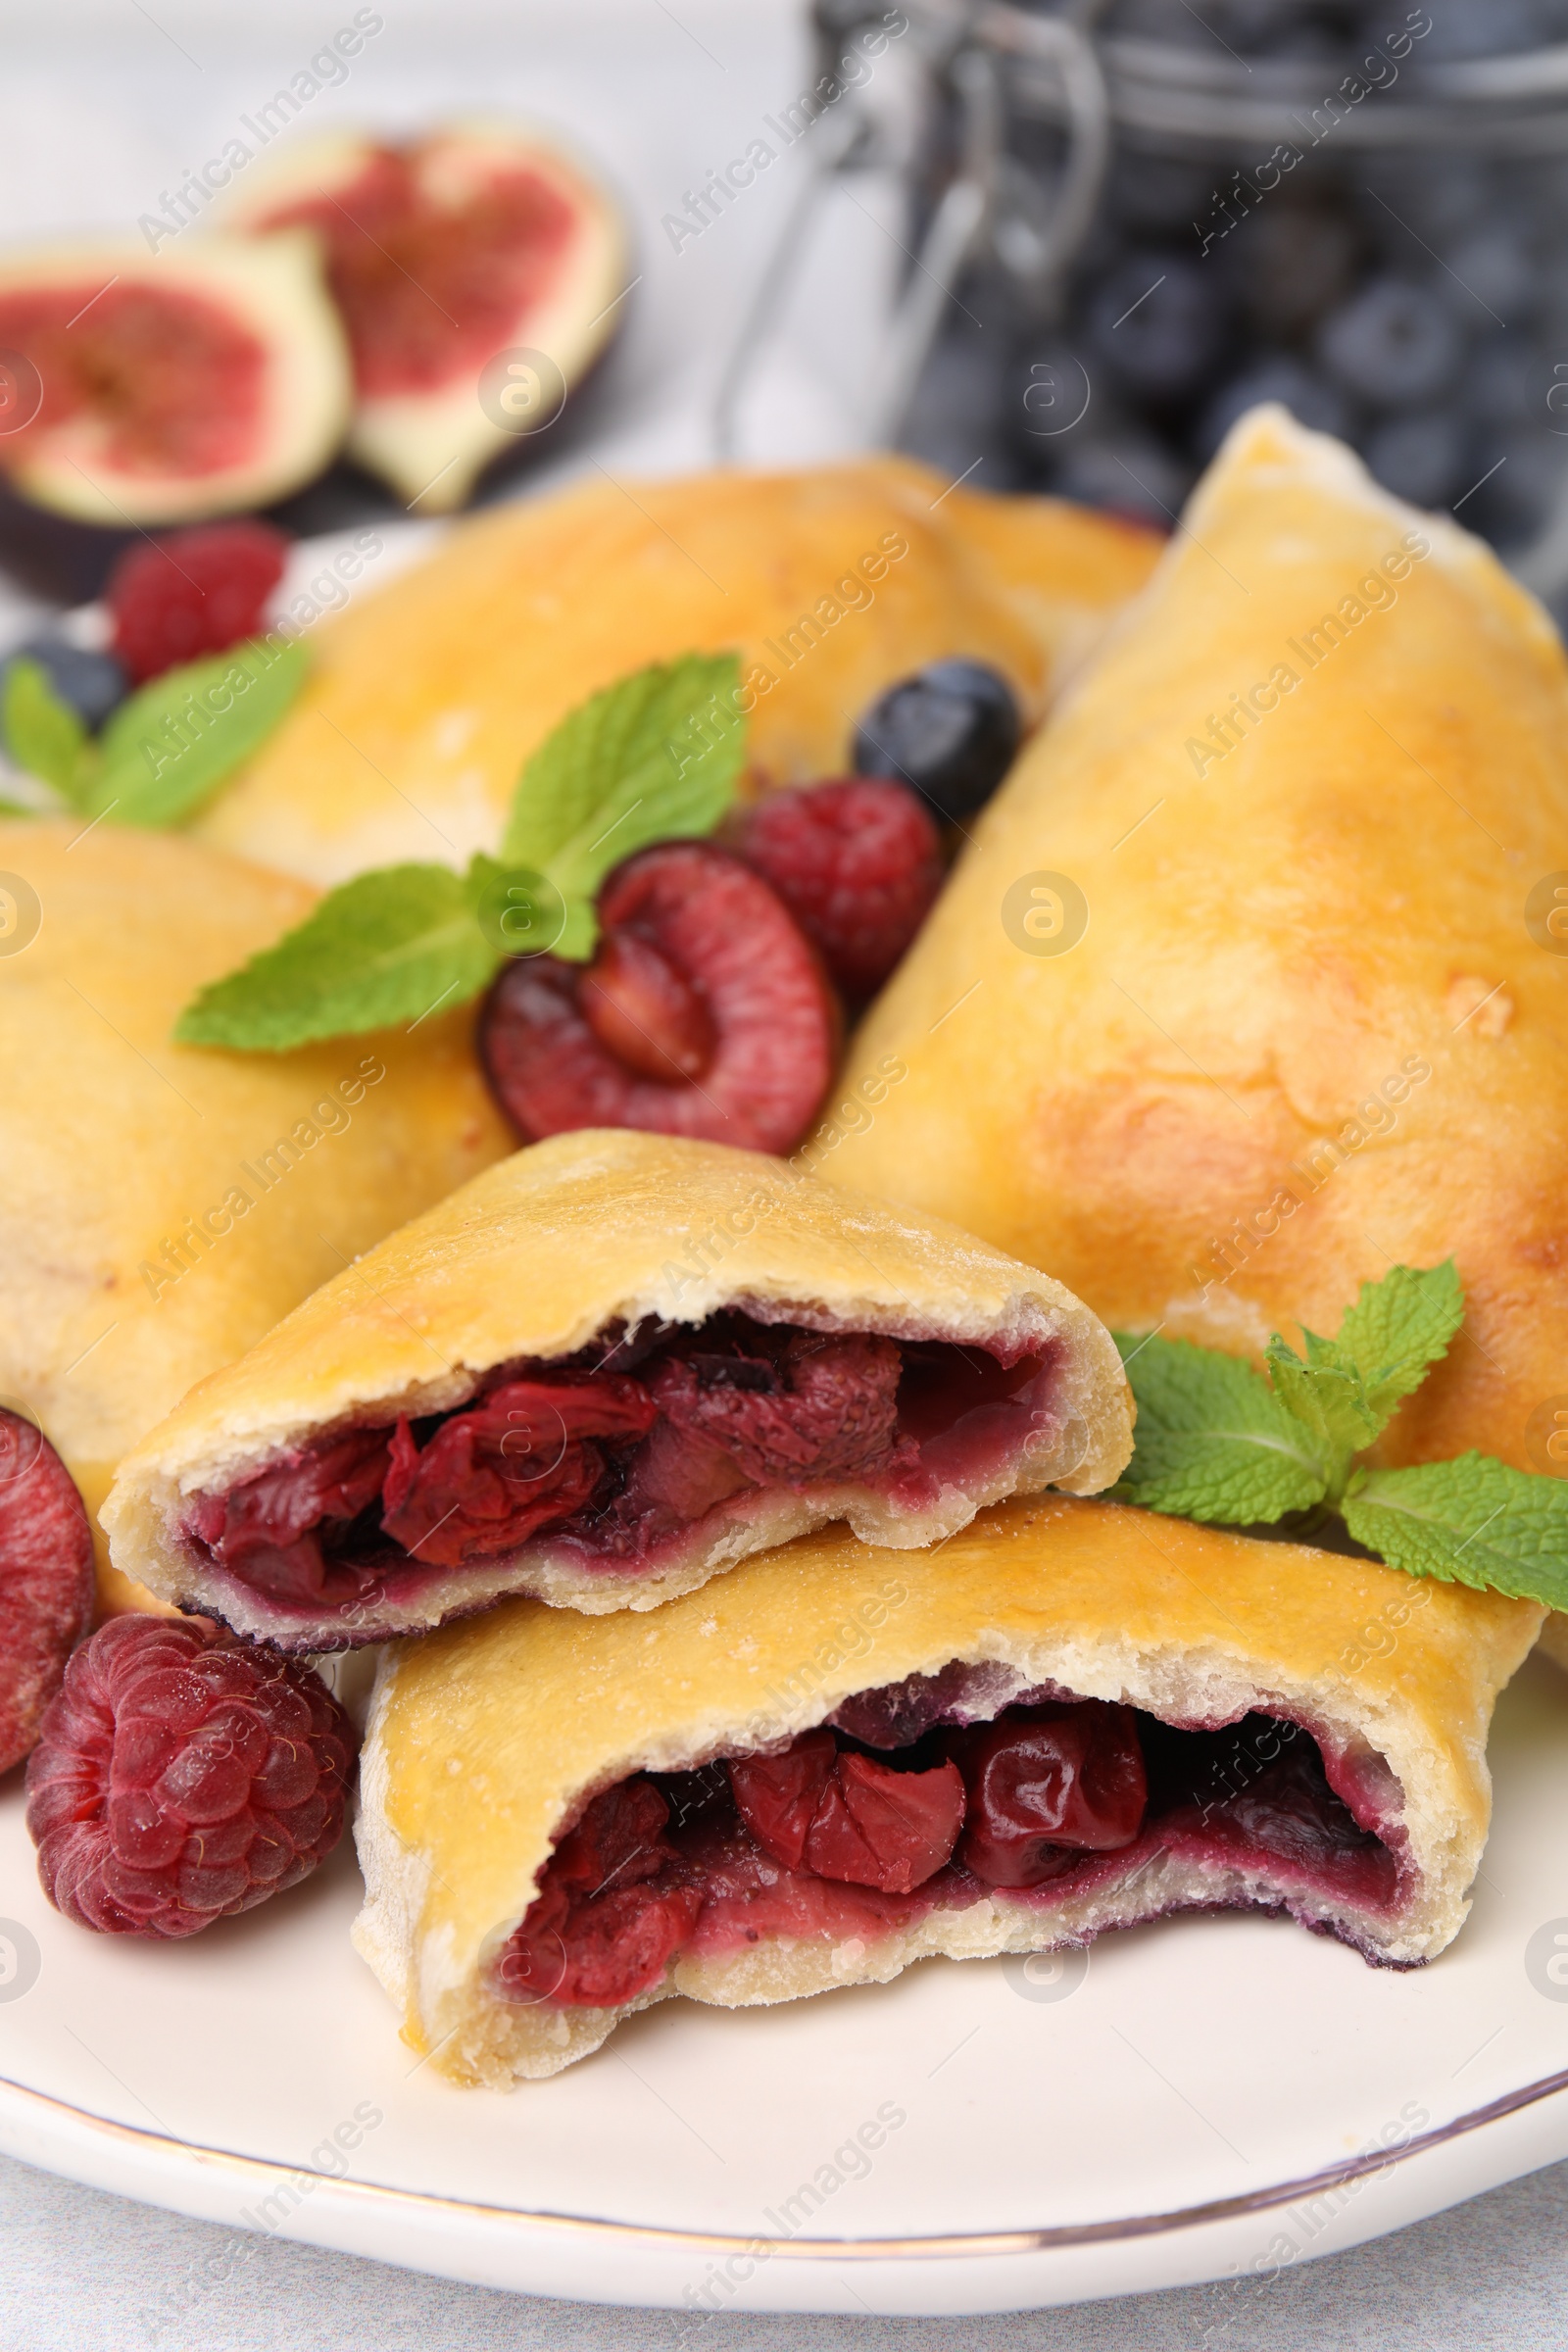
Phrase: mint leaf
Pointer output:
(1472, 1521)
(1399, 1327)
(390, 946)
(654, 757)
(167, 748)
(1214, 1442)
(520, 913)
(43, 734)
(1323, 1391)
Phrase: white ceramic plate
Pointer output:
(1204, 2098)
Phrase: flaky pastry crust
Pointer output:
(163, 1205)
(572, 1239)
(486, 1739)
(831, 583)
(1308, 1029)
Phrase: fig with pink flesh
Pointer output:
(139, 390)
(477, 272)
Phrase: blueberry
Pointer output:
(93, 684)
(1436, 199)
(1125, 469)
(1159, 322)
(1494, 265)
(955, 415)
(1516, 505)
(951, 730)
(1310, 401)
(1421, 457)
(1506, 384)
(1393, 342)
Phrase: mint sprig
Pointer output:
(1213, 1439)
(1218, 1442)
(654, 757)
(168, 745)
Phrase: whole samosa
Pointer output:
(1255, 979)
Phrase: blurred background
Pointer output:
(1353, 208)
(1054, 248)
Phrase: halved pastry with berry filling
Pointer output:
(839, 1760)
(609, 1368)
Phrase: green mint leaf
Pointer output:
(1399, 1327)
(390, 946)
(177, 737)
(654, 757)
(43, 734)
(1323, 1391)
(520, 913)
(1214, 1442)
(1472, 1521)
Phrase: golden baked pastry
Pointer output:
(603, 1372)
(427, 695)
(1295, 1013)
(1361, 1809)
(162, 1206)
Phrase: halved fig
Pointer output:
(476, 271)
(141, 389)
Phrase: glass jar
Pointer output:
(1158, 214)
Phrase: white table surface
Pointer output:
(78, 2268)
(102, 102)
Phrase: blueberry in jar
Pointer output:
(1421, 457)
(1312, 402)
(951, 730)
(1493, 269)
(1126, 471)
(1158, 324)
(1393, 342)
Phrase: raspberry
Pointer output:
(858, 863)
(193, 593)
(180, 1776)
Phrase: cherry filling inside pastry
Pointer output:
(619, 1455)
(904, 1802)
